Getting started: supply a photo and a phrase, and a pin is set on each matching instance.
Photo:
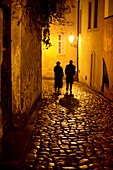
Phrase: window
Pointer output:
(61, 44)
(95, 13)
(108, 8)
(89, 17)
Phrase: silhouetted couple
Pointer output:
(69, 71)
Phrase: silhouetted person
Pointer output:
(70, 72)
(58, 76)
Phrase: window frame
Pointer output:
(95, 26)
(61, 44)
(89, 15)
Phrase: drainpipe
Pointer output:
(78, 38)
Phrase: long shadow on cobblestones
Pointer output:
(72, 131)
(69, 102)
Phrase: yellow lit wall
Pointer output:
(108, 8)
(108, 52)
(26, 66)
(91, 44)
(49, 56)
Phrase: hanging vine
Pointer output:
(40, 12)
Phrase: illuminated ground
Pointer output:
(72, 131)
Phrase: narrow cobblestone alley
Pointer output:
(72, 131)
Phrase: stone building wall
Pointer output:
(16, 64)
(26, 67)
(30, 68)
(91, 45)
(108, 52)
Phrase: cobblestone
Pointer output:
(72, 131)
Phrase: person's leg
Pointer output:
(67, 85)
(55, 86)
(58, 89)
(70, 88)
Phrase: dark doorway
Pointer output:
(105, 76)
(92, 72)
(6, 99)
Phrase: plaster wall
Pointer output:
(26, 66)
(91, 42)
(16, 62)
(108, 8)
(30, 68)
(108, 49)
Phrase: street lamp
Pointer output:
(71, 38)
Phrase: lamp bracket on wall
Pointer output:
(74, 45)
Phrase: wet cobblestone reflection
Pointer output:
(72, 132)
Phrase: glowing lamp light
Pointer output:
(71, 38)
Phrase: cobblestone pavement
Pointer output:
(72, 131)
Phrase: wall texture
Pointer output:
(91, 44)
(96, 47)
(108, 52)
(26, 67)
(26, 71)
